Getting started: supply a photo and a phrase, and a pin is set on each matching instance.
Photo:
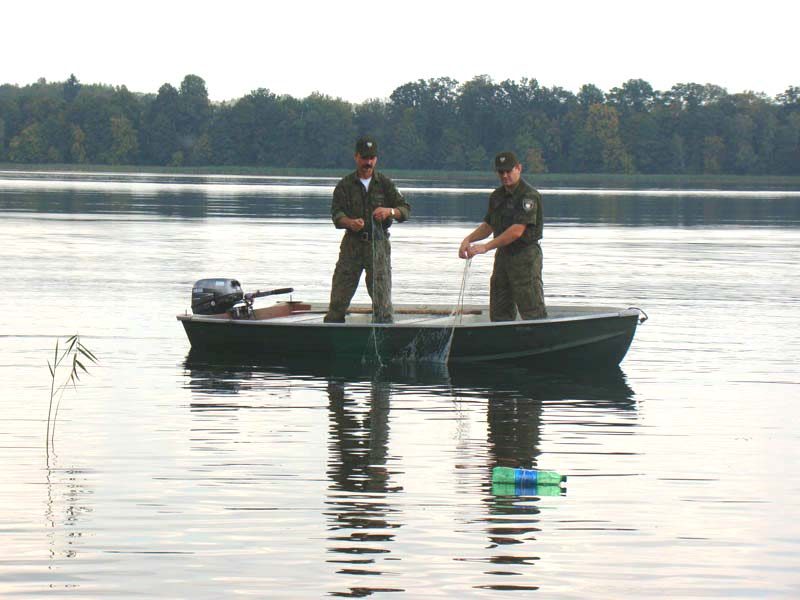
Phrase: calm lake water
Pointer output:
(180, 477)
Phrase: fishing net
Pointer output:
(430, 344)
(379, 286)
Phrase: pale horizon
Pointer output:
(333, 49)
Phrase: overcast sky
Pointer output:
(359, 51)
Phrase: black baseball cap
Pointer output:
(366, 147)
(505, 161)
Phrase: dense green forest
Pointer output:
(427, 124)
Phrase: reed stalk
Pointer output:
(74, 355)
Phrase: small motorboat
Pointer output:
(224, 319)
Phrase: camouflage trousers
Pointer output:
(516, 284)
(355, 256)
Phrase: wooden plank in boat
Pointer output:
(404, 311)
(285, 309)
(282, 309)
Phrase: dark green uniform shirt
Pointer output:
(522, 206)
(350, 199)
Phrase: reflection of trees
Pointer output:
(359, 516)
(643, 209)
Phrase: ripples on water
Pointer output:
(179, 475)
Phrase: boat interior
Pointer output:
(362, 314)
(420, 315)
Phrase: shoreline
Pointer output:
(784, 182)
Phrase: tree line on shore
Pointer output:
(427, 124)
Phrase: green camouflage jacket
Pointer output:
(350, 199)
(522, 206)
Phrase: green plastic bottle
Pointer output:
(526, 477)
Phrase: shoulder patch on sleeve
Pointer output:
(528, 204)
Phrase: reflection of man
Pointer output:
(515, 218)
(365, 203)
(514, 423)
(359, 435)
(359, 511)
(514, 420)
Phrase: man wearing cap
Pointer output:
(515, 219)
(365, 203)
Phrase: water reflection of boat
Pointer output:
(597, 388)
(365, 515)
(585, 336)
(226, 372)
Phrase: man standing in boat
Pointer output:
(365, 204)
(515, 218)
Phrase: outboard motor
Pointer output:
(219, 296)
(215, 296)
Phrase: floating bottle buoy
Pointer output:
(527, 477)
